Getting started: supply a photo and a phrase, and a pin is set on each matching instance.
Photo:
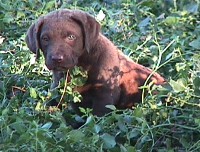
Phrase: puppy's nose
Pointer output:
(57, 58)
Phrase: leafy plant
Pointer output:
(162, 35)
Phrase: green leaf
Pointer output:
(20, 14)
(76, 135)
(8, 18)
(89, 119)
(49, 5)
(47, 125)
(77, 99)
(5, 112)
(171, 20)
(133, 133)
(19, 126)
(138, 112)
(112, 107)
(24, 138)
(6, 5)
(196, 83)
(195, 43)
(131, 149)
(179, 85)
(109, 141)
(145, 139)
(180, 66)
(97, 128)
(122, 126)
(39, 106)
(33, 93)
(69, 90)
(185, 142)
(145, 22)
(192, 8)
(122, 148)
(82, 110)
(197, 121)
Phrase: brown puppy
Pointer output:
(71, 37)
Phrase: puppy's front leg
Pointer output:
(103, 97)
(57, 75)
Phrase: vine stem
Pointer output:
(160, 52)
(64, 91)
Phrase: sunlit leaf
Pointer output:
(33, 93)
(179, 85)
(89, 120)
(47, 125)
(1, 39)
(180, 66)
(171, 20)
(112, 107)
(109, 141)
(97, 128)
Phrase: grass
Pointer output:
(162, 35)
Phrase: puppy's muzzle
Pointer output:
(57, 58)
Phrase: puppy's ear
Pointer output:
(90, 27)
(32, 37)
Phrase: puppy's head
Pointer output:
(63, 36)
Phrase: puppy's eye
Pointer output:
(71, 37)
(45, 38)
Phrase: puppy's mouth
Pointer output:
(60, 67)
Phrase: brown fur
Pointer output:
(71, 37)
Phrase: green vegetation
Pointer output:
(163, 35)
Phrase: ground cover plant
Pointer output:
(163, 35)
